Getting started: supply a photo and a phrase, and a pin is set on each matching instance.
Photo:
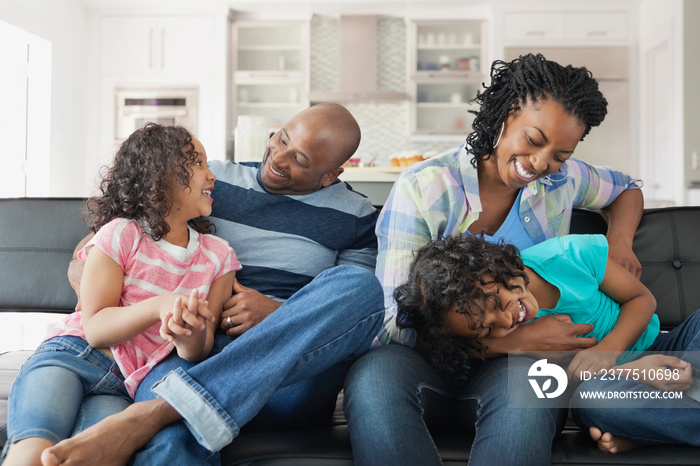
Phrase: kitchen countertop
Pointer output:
(371, 174)
(373, 182)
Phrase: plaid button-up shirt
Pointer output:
(440, 197)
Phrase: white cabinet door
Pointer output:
(127, 45)
(609, 26)
(549, 28)
(150, 45)
(534, 26)
(186, 45)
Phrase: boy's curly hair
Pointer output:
(446, 272)
(152, 162)
(531, 78)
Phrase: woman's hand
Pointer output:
(551, 337)
(622, 254)
(245, 309)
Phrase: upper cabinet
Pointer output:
(157, 45)
(608, 27)
(270, 62)
(446, 69)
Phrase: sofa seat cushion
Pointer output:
(10, 362)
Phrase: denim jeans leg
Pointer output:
(640, 418)
(390, 393)
(47, 395)
(95, 408)
(529, 431)
(306, 404)
(174, 444)
(333, 319)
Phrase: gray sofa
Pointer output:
(37, 238)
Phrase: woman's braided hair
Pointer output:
(532, 77)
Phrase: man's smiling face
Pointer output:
(305, 155)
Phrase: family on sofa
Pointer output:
(310, 271)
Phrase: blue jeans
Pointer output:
(640, 419)
(63, 388)
(394, 399)
(284, 372)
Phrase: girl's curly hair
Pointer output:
(446, 272)
(151, 162)
(532, 77)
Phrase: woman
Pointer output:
(515, 179)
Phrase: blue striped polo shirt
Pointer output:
(284, 241)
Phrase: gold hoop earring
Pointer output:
(500, 135)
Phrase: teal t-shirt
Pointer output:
(575, 264)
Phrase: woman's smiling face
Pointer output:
(536, 141)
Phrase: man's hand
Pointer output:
(546, 337)
(75, 268)
(75, 273)
(245, 309)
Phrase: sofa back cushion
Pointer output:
(37, 239)
(667, 243)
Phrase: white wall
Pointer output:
(63, 23)
(691, 90)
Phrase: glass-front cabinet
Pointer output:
(445, 72)
(270, 70)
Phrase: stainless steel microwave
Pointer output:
(165, 106)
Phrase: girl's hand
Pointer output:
(670, 373)
(185, 316)
(591, 361)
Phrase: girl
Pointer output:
(463, 289)
(154, 280)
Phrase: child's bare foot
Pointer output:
(608, 442)
(26, 452)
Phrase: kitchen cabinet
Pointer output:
(270, 61)
(141, 49)
(156, 45)
(446, 69)
(609, 27)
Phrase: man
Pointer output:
(306, 305)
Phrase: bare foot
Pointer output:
(115, 439)
(608, 442)
(26, 452)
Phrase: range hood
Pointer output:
(358, 64)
